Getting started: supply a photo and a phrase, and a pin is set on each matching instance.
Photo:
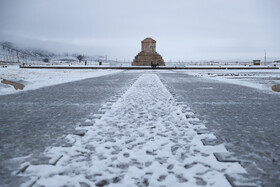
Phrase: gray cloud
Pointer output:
(184, 29)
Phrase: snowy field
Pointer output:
(259, 79)
(38, 78)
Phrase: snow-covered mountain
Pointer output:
(11, 53)
(8, 48)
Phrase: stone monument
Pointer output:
(148, 54)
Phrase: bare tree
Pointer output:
(46, 60)
(80, 57)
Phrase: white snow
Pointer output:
(38, 78)
(145, 139)
(258, 79)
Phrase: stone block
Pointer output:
(196, 122)
(210, 142)
(240, 180)
(80, 132)
(22, 169)
(53, 161)
(226, 157)
(96, 117)
(202, 131)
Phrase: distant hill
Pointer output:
(8, 48)
(11, 53)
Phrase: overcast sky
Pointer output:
(184, 29)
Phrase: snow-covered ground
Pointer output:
(143, 139)
(37, 78)
(259, 79)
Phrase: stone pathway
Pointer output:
(33, 120)
(141, 138)
(246, 119)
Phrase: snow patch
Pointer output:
(38, 78)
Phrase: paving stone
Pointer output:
(185, 110)
(202, 131)
(67, 145)
(101, 112)
(31, 182)
(109, 103)
(188, 116)
(226, 157)
(22, 169)
(80, 132)
(193, 119)
(106, 108)
(240, 180)
(96, 117)
(40, 160)
(86, 124)
(45, 160)
(112, 101)
(54, 160)
(196, 123)
(69, 142)
(210, 142)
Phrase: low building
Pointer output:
(256, 62)
(148, 54)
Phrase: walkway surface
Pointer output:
(245, 119)
(139, 128)
(33, 120)
(143, 140)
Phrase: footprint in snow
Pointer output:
(162, 178)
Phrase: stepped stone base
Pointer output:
(146, 58)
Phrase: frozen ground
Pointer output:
(38, 78)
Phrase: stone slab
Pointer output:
(31, 182)
(54, 160)
(196, 122)
(202, 131)
(42, 160)
(80, 132)
(240, 180)
(96, 117)
(226, 157)
(22, 169)
(210, 142)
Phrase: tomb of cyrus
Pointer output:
(148, 54)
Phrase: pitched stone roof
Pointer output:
(148, 40)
